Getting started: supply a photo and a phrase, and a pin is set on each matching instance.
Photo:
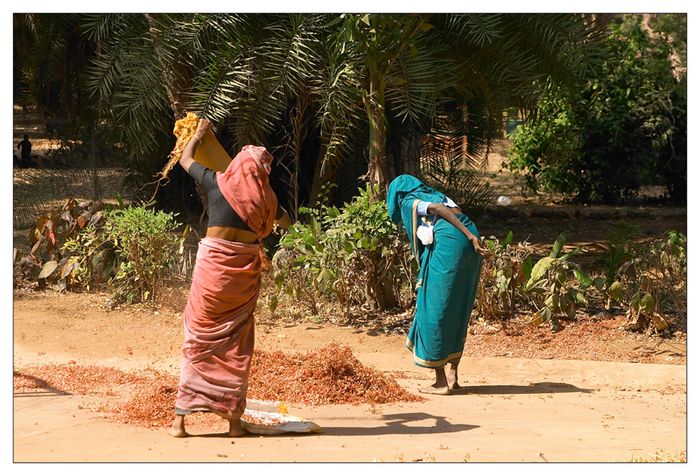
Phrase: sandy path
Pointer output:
(512, 410)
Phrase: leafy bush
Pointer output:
(545, 147)
(646, 280)
(92, 258)
(504, 272)
(132, 252)
(557, 285)
(46, 261)
(653, 283)
(354, 255)
(145, 247)
(626, 127)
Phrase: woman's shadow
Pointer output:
(533, 388)
(402, 424)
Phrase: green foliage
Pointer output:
(543, 150)
(646, 280)
(653, 283)
(504, 272)
(46, 261)
(619, 251)
(354, 255)
(132, 250)
(146, 250)
(625, 128)
(557, 285)
(92, 258)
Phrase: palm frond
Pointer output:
(443, 167)
(420, 74)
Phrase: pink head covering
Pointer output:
(246, 187)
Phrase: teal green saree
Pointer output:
(447, 280)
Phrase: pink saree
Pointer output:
(218, 318)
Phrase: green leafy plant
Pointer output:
(92, 258)
(353, 255)
(46, 262)
(557, 285)
(146, 248)
(298, 262)
(653, 283)
(624, 128)
(505, 270)
(619, 250)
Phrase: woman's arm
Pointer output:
(187, 157)
(442, 211)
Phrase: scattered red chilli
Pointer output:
(70, 378)
(329, 375)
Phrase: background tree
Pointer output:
(326, 93)
(626, 127)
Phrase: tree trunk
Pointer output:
(93, 164)
(602, 20)
(380, 289)
(178, 80)
(323, 173)
(374, 104)
(299, 121)
(177, 76)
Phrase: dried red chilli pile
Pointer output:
(329, 375)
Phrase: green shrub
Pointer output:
(92, 258)
(132, 252)
(146, 249)
(624, 128)
(557, 285)
(544, 149)
(354, 255)
(504, 272)
(652, 284)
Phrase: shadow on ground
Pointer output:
(539, 387)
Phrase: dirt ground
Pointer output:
(519, 404)
(591, 392)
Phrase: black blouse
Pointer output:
(218, 209)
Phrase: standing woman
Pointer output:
(446, 245)
(218, 317)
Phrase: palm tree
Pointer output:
(412, 69)
(328, 75)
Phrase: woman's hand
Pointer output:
(476, 243)
(187, 157)
(203, 127)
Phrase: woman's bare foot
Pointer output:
(453, 377)
(177, 429)
(434, 390)
(234, 423)
(235, 428)
(440, 387)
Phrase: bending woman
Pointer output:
(218, 317)
(450, 263)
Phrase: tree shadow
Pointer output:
(42, 388)
(539, 387)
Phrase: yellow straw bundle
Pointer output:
(210, 153)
